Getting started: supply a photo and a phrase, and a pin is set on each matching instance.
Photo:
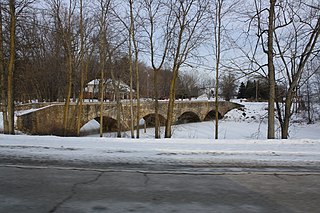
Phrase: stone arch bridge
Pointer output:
(48, 120)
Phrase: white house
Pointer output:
(92, 89)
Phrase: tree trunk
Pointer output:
(175, 70)
(309, 103)
(104, 7)
(172, 91)
(186, 28)
(287, 116)
(271, 72)
(116, 94)
(216, 135)
(308, 50)
(68, 93)
(136, 69)
(152, 10)
(119, 109)
(82, 67)
(67, 43)
(10, 98)
(101, 103)
(156, 104)
(218, 52)
(3, 99)
(131, 73)
(172, 96)
(131, 97)
(137, 94)
(102, 86)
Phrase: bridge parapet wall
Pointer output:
(49, 120)
(45, 121)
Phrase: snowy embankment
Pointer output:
(249, 122)
(242, 142)
(202, 152)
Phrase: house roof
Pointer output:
(108, 82)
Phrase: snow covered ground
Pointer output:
(164, 151)
(247, 123)
(242, 142)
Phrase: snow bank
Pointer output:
(164, 151)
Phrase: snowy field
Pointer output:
(242, 141)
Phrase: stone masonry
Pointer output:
(48, 120)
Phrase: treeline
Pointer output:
(50, 49)
(258, 90)
(41, 58)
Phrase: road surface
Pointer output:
(28, 188)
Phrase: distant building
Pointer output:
(92, 90)
(207, 92)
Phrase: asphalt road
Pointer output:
(34, 188)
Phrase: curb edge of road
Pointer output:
(215, 171)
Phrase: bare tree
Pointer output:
(12, 49)
(268, 49)
(3, 99)
(64, 20)
(41, 69)
(287, 32)
(131, 33)
(187, 86)
(133, 55)
(296, 50)
(228, 86)
(263, 20)
(189, 33)
(15, 10)
(222, 11)
(104, 8)
(82, 69)
(217, 41)
(271, 71)
(159, 35)
(133, 28)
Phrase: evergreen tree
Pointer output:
(242, 91)
(263, 91)
(250, 90)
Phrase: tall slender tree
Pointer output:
(287, 32)
(271, 71)
(3, 99)
(190, 33)
(136, 66)
(104, 7)
(82, 69)
(131, 28)
(11, 63)
(63, 18)
(156, 11)
(217, 41)
(304, 35)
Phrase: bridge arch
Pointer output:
(109, 121)
(151, 117)
(211, 115)
(109, 125)
(188, 117)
